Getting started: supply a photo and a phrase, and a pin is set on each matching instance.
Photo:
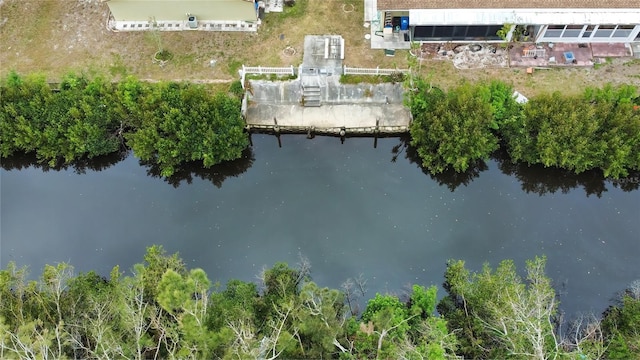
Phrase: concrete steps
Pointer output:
(311, 96)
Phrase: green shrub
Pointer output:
(396, 77)
(452, 129)
(598, 130)
(169, 123)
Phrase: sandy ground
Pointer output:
(57, 36)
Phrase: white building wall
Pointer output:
(180, 25)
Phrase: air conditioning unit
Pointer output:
(192, 22)
(635, 50)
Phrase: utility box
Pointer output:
(404, 23)
(635, 49)
(569, 58)
(192, 22)
(387, 33)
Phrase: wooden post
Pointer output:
(248, 128)
(376, 130)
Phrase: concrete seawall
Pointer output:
(278, 106)
(332, 92)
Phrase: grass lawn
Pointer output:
(57, 36)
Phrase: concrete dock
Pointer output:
(278, 106)
(329, 119)
(317, 103)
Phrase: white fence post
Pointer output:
(242, 76)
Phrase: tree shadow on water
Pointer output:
(21, 161)
(630, 183)
(449, 178)
(535, 179)
(542, 180)
(216, 174)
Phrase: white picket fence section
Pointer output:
(268, 70)
(371, 71)
(264, 70)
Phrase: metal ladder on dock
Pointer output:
(311, 95)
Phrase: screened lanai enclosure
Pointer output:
(456, 32)
(557, 21)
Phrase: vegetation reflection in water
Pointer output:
(163, 309)
(533, 178)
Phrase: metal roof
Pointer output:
(524, 16)
(171, 10)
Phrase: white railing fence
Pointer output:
(264, 70)
(371, 71)
(268, 70)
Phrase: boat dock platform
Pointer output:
(316, 102)
(354, 119)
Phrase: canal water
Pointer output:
(351, 209)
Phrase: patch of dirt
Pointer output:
(487, 56)
(465, 56)
(57, 36)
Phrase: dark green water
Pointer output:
(347, 207)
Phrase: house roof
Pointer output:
(506, 4)
(172, 10)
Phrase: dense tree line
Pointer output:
(170, 123)
(162, 309)
(166, 123)
(599, 129)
